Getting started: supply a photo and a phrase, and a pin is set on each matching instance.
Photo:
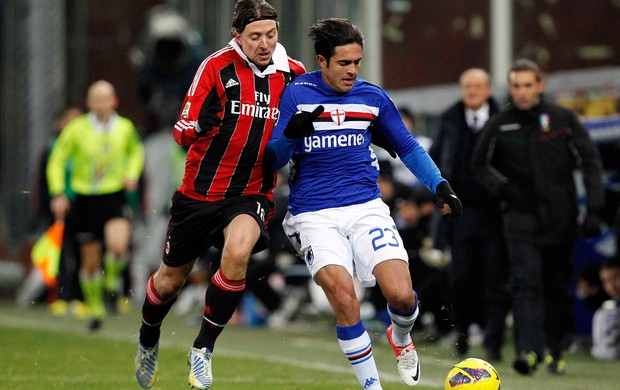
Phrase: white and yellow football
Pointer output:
(473, 374)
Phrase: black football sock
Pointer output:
(221, 300)
(154, 310)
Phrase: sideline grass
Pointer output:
(57, 353)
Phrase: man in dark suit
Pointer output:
(478, 271)
(528, 155)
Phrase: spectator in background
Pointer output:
(606, 321)
(590, 287)
(478, 271)
(527, 155)
(106, 157)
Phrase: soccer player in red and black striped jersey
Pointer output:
(226, 198)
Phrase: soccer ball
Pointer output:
(473, 374)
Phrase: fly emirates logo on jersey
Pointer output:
(259, 110)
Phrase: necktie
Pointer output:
(475, 123)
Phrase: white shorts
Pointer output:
(357, 237)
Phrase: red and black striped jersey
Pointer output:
(227, 162)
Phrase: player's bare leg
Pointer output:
(352, 336)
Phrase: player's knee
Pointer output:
(167, 284)
(402, 301)
(236, 255)
(171, 288)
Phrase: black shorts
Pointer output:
(195, 225)
(89, 213)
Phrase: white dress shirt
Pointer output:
(477, 119)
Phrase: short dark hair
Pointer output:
(613, 262)
(248, 11)
(523, 64)
(327, 34)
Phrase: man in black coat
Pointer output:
(478, 271)
(528, 155)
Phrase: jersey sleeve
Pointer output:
(297, 67)
(423, 167)
(202, 85)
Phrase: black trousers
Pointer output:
(479, 284)
(542, 306)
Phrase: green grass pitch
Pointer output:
(45, 352)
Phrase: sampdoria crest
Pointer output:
(338, 116)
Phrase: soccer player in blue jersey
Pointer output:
(337, 220)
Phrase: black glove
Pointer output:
(208, 118)
(301, 125)
(591, 226)
(382, 142)
(444, 195)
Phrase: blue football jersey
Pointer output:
(335, 166)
